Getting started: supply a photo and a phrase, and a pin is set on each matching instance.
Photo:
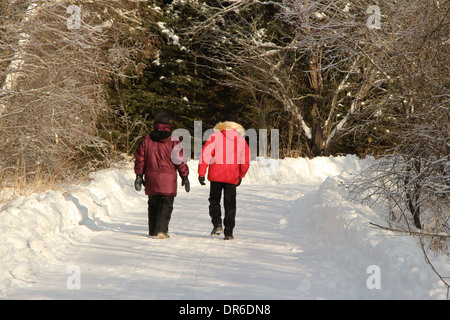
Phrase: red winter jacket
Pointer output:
(226, 153)
(159, 156)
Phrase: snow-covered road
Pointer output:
(295, 240)
(121, 262)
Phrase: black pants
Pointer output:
(229, 201)
(160, 209)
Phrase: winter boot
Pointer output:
(162, 235)
(228, 238)
(217, 231)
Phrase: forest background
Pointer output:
(81, 82)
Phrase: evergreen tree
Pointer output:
(172, 81)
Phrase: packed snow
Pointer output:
(297, 236)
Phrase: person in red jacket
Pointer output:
(227, 155)
(159, 156)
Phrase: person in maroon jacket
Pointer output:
(227, 155)
(159, 156)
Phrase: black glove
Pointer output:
(239, 183)
(185, 183)
(201, 180)
(139, 182)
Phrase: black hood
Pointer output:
(161, 131)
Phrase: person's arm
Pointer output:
(139, 165)
(181, 165)
(205, 158)
(244, 163)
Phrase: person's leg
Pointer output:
(152, 215)
(215, 193)
(229, 195)
(164, 214)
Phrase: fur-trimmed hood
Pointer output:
(227, 125)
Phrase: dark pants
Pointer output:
(229, 201)
(160, 209)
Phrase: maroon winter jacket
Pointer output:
(159, 156)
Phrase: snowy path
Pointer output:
(296, 237)
(122, 262)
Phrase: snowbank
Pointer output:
(342, 231)
(37, 229)
(292, 170)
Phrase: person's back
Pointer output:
(227, 155)
(155, 160)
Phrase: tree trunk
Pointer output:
(413, 193)
(316, 133)
(316, 82)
